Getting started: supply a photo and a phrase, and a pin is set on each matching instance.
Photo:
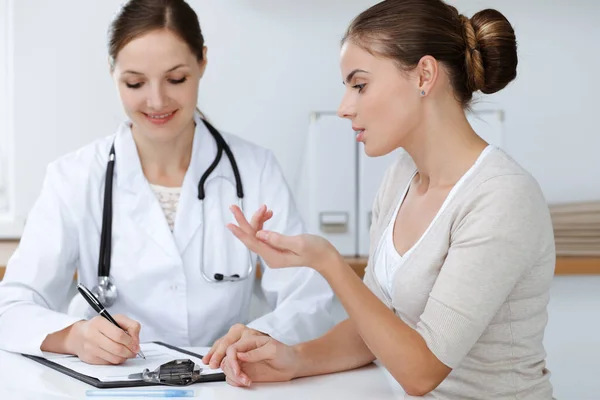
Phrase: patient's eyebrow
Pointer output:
(351, 74)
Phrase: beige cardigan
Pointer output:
(477, 285)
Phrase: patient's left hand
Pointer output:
(262, 359)
(217, 352)
(280, 251)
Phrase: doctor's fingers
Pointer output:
(208, 356)
(219, 349)
(217, 352)
(94, 360)
(113, 347)
(95, 349)
(119, 337)
(106, 357)
(131, 326)
(218, 344)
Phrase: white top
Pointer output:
(387, 258)
(388, 261)
(168, 197)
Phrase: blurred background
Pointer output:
(273, 78)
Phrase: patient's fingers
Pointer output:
(241, 220)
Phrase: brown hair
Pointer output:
(479, 53)
(138, 17)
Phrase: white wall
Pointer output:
(63, 95)
(551, 107)
(273, 62)
(5, 110)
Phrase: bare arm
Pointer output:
(372, 330)
(501, 237)
(493, 245)
(58, 342)
(401, 349)
(340, 349)
(259, 358)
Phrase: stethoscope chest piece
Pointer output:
(106, 291)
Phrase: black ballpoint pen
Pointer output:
(99, 308)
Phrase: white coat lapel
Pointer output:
(137, 196)
(189, 216)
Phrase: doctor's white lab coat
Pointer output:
(158, 272)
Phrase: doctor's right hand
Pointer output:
(97, 341)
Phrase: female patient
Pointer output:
(454, 298)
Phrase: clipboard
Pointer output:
(218, 377)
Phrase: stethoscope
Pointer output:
(106, 291)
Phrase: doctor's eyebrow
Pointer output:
(169, 70)
(351, 75)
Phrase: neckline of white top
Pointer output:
(451, 194)
(165, 189)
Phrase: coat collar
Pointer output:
(143, 205)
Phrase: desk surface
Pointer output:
(22, 378)
(564, 266)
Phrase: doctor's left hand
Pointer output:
(280, 251)
(217, 352)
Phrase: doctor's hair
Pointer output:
(479, 54)
(138, 17)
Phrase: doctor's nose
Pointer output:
(157, 100)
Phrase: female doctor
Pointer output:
(141, 216)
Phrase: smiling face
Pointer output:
(157, 77)
(382, 101)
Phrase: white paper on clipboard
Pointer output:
(155, 353)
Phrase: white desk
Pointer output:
(21, 379)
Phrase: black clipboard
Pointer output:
(219, 377)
